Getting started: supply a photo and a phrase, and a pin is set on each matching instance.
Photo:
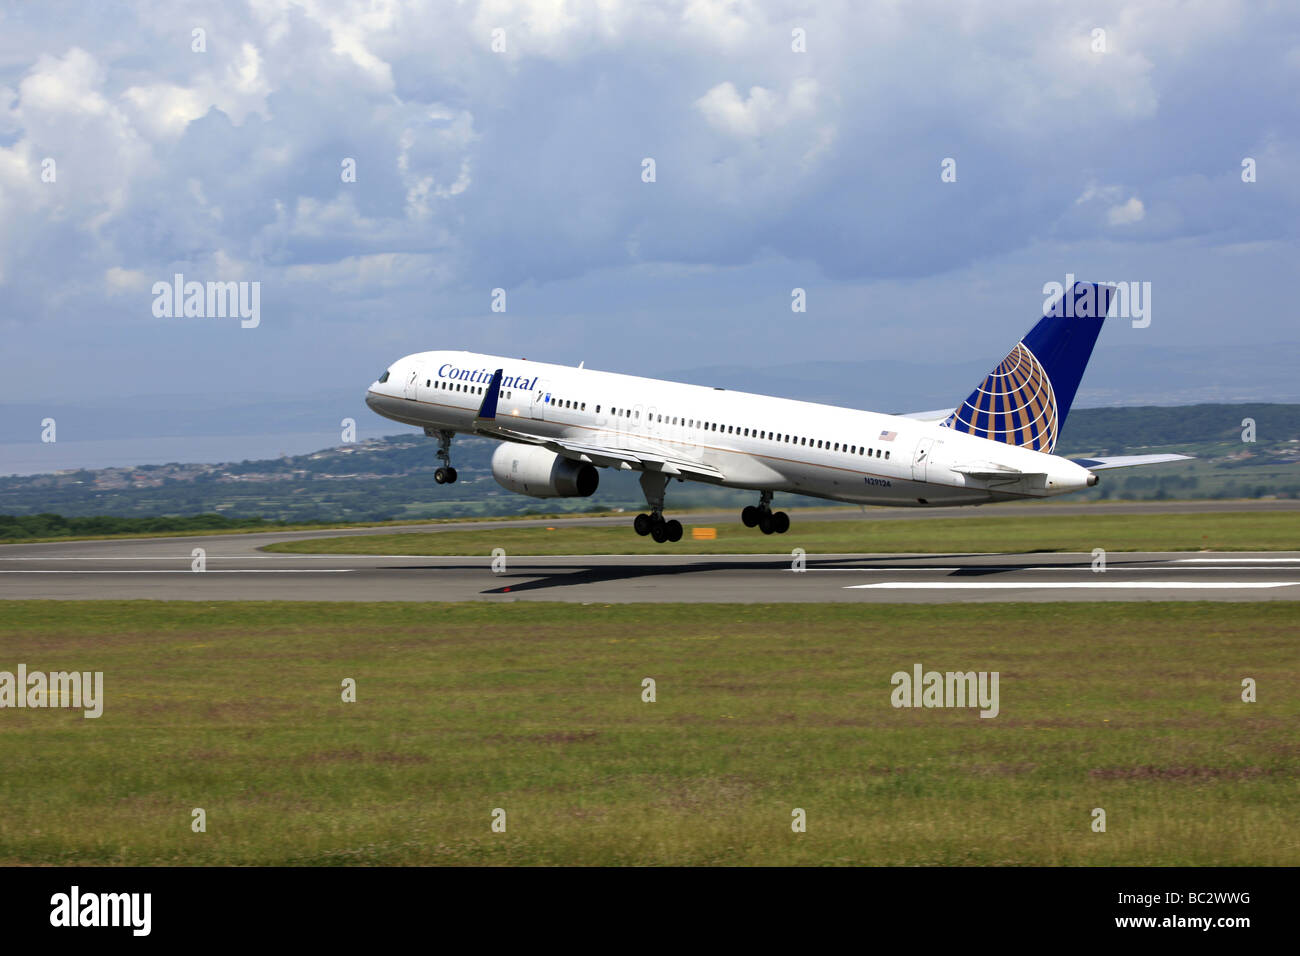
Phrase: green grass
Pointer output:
(343, 525)
(273, 527)
(536, 708)
(1240, 531)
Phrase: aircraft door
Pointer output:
(921, 458)
(412, 384)
(541, 399)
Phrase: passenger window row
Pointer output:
(568, 403)
(635, 415)
(462, 387)
(761, 434)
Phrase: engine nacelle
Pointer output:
(541, 473)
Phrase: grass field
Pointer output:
(263, 529)
(1239, 531)
(536, 709)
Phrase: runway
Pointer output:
(236, 570)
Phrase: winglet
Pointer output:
(487, 412)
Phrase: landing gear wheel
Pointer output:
(760, 516)
(674, 529)
(642, 525)
(445, 474)
(653, 484)
(780, 522)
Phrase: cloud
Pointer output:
(1104, 193)
(1127, 213)
(761, 113)
(523, 170)
(124, 280)
(68, 85)
(164, 109)
(1119, 211)
(729, 23)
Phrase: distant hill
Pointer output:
(392, 477)
(1119, 375)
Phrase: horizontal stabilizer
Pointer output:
(1126, 461)
(938, 415)
(989, 471)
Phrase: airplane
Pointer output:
(558, 424)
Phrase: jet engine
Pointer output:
(541, 473)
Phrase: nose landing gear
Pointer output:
(445, 475)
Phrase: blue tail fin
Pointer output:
(1025, 399)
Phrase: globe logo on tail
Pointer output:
(1014, 404)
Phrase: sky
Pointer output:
(921, 170)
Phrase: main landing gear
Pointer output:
(653, 524)
(764, 518)
(445, 475)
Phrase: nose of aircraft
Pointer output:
(381, 392)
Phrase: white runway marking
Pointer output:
(991, 568)
(890, 570)
(1239, 560)
(214, 571)
(1027, 585)
(210, 557)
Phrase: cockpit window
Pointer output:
(383, 378)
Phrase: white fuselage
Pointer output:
(756, 441)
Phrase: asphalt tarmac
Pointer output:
(235, 569)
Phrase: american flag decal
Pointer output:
(887, 436)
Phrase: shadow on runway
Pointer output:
(522, 580)
(547, 577)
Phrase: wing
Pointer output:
(626, 452)
(1126, 461)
